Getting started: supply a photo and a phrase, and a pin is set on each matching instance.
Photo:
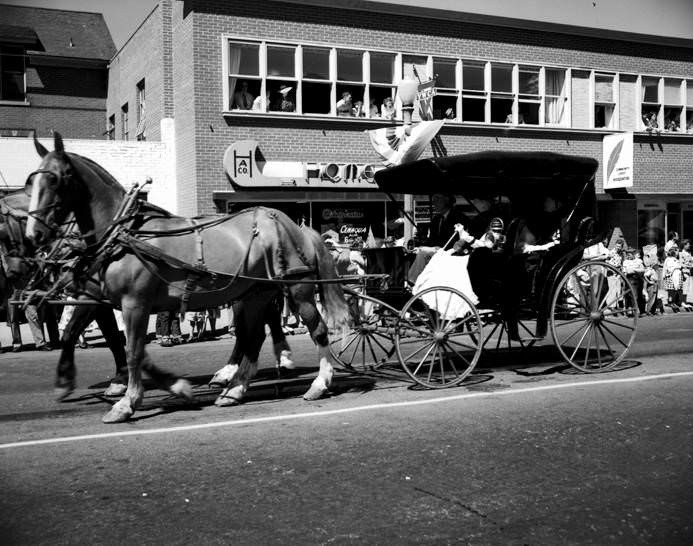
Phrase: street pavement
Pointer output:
(527, 452)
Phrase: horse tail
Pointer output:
(331, 293)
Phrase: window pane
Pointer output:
(603, 115)
(316, 63)
(245, 93)
(554, 111)
(528, 113)
(502, 78)
(413, 65)
(444, 107)
(672, 91)
(12, 87)
(650, 89)
(555, 80)
(282, 96)
(473, 76)
(672, 119)
(347, 98)
(689, 92)
(280, 61)
(689, 121)
(473, 109)
(349, 65)
(316, 98)
(382, 98)
(529, 80)
(12, 60)
(501, 110)
(382, 67)
(444, 72)
(603, 88)
(650, 117)
(244, 59)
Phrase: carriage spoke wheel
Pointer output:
(439, 337)
(369, 342)
(594, 315)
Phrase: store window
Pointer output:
(473, 92)
(651, 107)
(12, 81)
(673, 105)
(605, 101)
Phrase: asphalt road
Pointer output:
(526, 453)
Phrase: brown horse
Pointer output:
(16, 252)
(160, 261)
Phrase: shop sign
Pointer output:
(342, 214)
(347, 230)
(246, 168)
(617, 164)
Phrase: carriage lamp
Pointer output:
(407, 89)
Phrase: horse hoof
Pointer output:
(61, 393)
(317, 390)
(115, 389)
(285, 361)
(182, 388)
(119, 413)
(230, 397)
(223, 376)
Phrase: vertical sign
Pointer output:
(617, 164)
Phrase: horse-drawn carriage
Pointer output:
(518, 290)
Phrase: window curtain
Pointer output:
(234, 65)
(555, 105)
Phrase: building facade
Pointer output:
(53, 72)
(275, 72)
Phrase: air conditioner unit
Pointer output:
(350, 171)
(330, 171)
(366, 172)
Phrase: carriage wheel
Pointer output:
(594, 315)
(439, 337)
(369, 343)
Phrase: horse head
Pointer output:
(47, 188)
(68, 183)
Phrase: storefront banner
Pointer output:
(617, 164)
(394, 147)
(247, 168)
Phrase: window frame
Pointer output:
(614, 103)
(21, 52)
(124, 122)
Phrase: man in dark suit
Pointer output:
(444, 219)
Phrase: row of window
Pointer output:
(141, 130)
(330, 81)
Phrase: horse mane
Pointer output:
(96, 169)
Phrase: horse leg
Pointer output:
(109, 329)
(250, 326)
(136, 320)
(282, 350)
(307, 309)
(66, 371)
(223, 376)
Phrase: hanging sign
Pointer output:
(247, 168)
(617, 164)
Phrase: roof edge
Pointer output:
(495, 20)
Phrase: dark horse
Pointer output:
(16, 253)
(248, 256)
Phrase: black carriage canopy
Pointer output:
(521, 176)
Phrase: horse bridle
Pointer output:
(40, 214)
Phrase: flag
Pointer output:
(395, 147)
(370, 240)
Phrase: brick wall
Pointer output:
(184, 78)
(140, 58)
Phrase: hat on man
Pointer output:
(284, 89)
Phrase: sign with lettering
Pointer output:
(247, 168)
(617, 164)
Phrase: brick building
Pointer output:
(212, 72)
(53, 72)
